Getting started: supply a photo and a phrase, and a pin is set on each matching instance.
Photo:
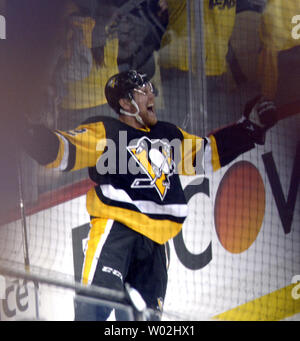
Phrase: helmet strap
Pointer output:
(136, 114)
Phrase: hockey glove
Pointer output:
(37, 140)
(259, 116)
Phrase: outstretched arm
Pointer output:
(65, 151)
(231, 141)
(222, 146)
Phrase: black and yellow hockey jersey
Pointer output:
(136, 172)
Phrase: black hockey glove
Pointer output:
(259, 116)
(37, 140)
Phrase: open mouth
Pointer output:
(150, 108)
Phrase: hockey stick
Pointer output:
(24, 228)
(22, 212)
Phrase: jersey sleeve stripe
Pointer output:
(63, 155)
(191, 146)
(65, 160)
(60, 155)
(71, 158)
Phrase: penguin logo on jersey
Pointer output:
(155, 159)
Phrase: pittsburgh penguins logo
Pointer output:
(156, 160)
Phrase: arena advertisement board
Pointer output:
(18, 300)
(242, 252)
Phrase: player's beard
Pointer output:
(149, 116)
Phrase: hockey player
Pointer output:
(137, 203)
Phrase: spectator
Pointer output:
(275, 34)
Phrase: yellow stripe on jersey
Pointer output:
(190, 149)
(159, 231)
(99, 231)
(57, 162)
(215, 160)
(85, 140)
(191, 145)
